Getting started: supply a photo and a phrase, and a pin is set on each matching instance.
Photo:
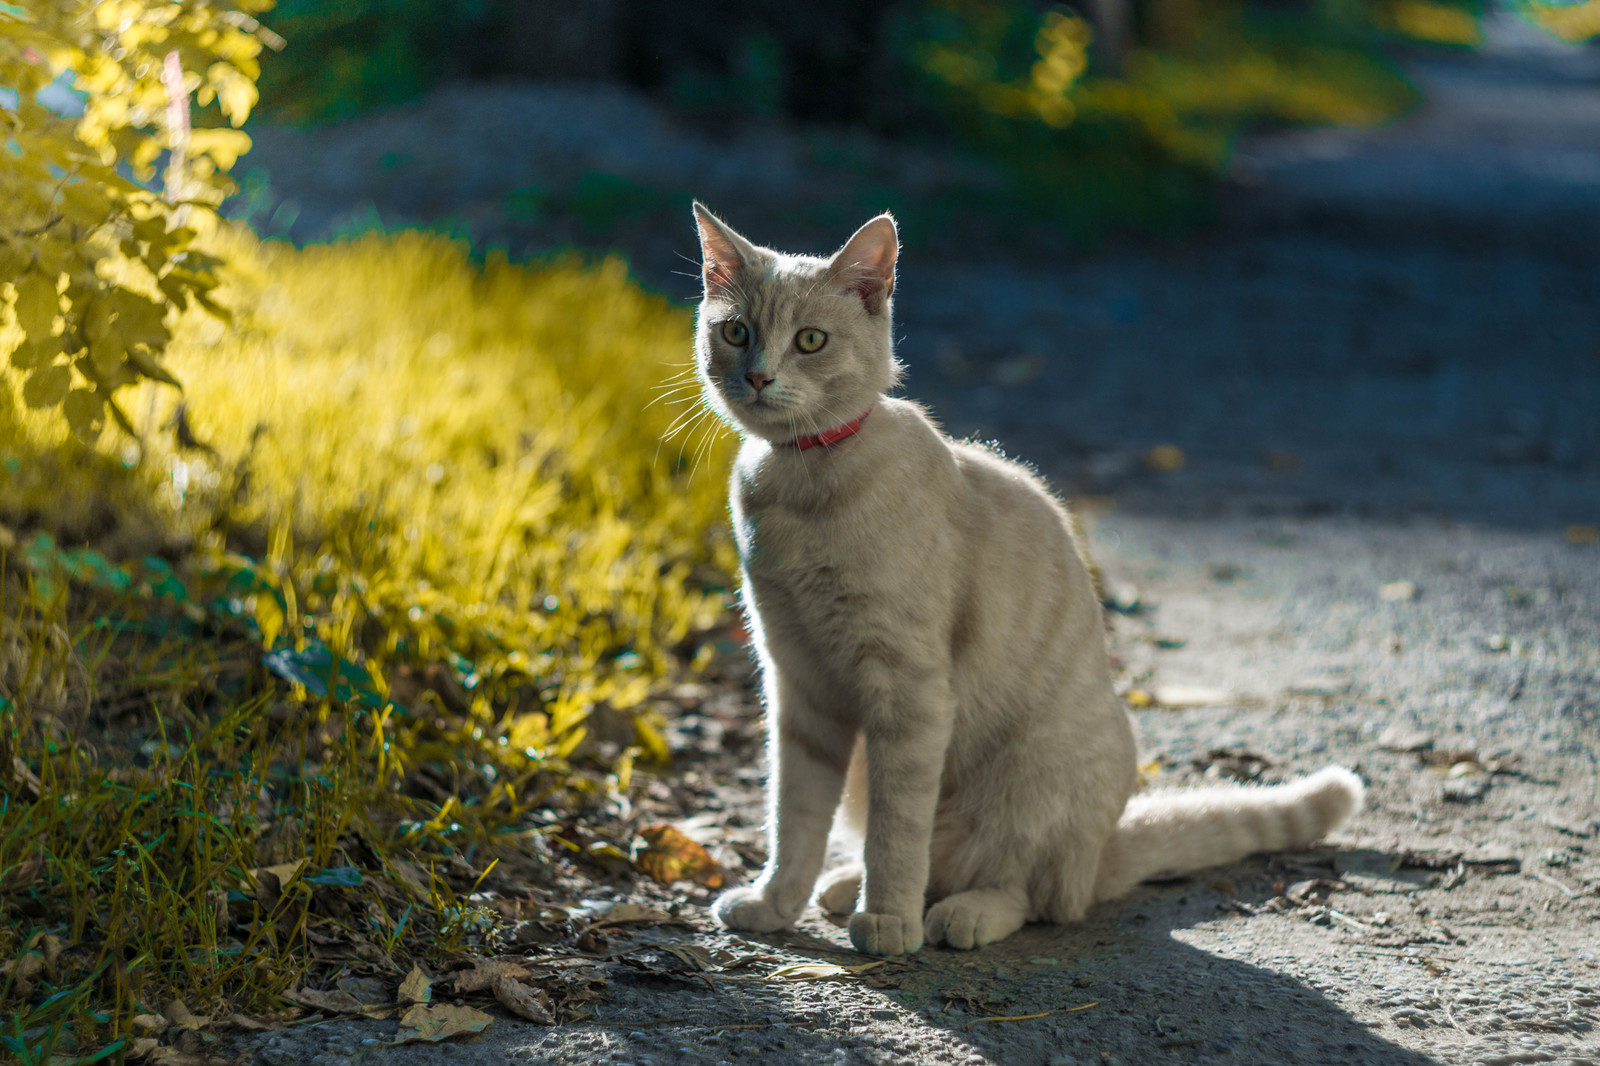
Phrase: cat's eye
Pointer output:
(736, 333)
(809, 340)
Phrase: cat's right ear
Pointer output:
(866, 262)
(723, 253)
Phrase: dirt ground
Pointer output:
(1382, 372)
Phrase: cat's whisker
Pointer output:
(688, 432)
(704, 448)
(686, 421)
(682, 394)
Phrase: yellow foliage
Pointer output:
(440, 462)
(1574, 22)
(70, 219)
(1423, 20)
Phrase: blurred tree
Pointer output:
(92, 259)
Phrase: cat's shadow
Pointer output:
(1157, 996)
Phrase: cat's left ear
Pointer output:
(723, 253)
(865, 265)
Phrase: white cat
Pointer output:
(931, 646)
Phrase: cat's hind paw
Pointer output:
(885, 934)
(840, 889)
(969, 920)
(745, 908)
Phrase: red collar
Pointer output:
(830, 437)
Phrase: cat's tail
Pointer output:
(1177, 832)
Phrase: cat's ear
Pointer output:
(723, 253)
(865, 265)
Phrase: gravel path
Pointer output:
(1381, 366)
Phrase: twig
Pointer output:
(1547, 879)
(1027, 1017)
(1351, 922)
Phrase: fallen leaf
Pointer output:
(149, 1023)
(143, 1047)
(247, 1023)
(284, 872)
(819, 971)
(416, 988)
(179, 1014)
(1138, 697)
(336, 1002)
(430, 1023)
(485, 972)
(370, 991)
(1396, 591)
(669, 855)
(523, 1001)
(634, 914)
(1178, 695)
(1583, 535)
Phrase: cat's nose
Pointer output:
(758, 379)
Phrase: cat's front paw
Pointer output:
(746, 908)
(886, 934)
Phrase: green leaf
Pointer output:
(30, 353)
(37, 304)
(151, 369)
(140, 321)
(86, 413)
(47, 386)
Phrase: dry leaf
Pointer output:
(171, 1056)
(669, 855)
(179, 1014)
(634, 914)
(143, 1046)
(431, 1023)
(247, 1023)
(523, 1001)
(284, 872)
(149, 1023)
(819, 971)
(1583, 535)
(336, 1002)
(485, 972)
(416, 988)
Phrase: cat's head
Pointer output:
(789, 345)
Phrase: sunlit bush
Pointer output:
(92, 96)
(348, 608)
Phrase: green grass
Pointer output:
(350, 609)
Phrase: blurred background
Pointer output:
(1332, 253)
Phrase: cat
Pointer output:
(931, 647)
